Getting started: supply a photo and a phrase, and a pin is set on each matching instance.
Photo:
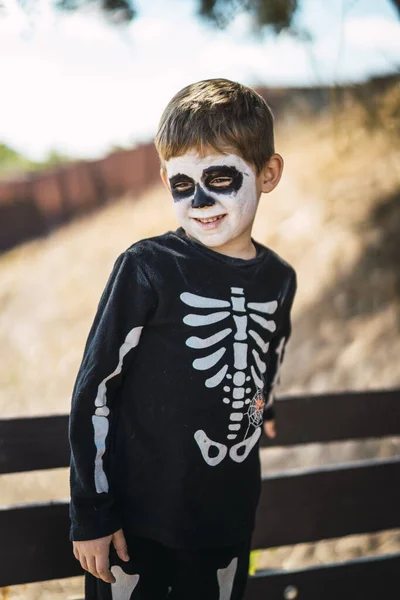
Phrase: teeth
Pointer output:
(211, 219)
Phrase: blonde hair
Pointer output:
(220, 114)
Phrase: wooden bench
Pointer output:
(298, 506)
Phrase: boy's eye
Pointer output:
(221, 182)
(183, 186)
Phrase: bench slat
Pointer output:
(34, 443)
(294, 507)
(328, 502)
(35, 544)
(42, 442)
(335, 417)
(367, 578)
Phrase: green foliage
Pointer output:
(7, 154)
(119, 11)
(11, 160)
(396, 4)
(54, 158)
(277, 14)
(13, 163)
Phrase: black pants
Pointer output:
(155, 572)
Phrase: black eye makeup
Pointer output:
(222, 179)
(182, 186)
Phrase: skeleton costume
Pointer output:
(176, 379)
(177, 376)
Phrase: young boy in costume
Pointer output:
(178, 373)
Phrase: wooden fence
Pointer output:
(33, 205)
(299, 506)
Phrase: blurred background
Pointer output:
(83, 85)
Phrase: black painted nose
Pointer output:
(201, 199)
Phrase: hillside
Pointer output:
(335, 217)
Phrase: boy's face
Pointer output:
(215, 196)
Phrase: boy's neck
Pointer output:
(241, 247)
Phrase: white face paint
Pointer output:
(217, 185)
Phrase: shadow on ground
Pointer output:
(337, 340)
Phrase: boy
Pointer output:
(179, 368)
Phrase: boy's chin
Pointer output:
(211, 238)
(211, 241)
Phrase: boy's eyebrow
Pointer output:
(180, 177)
(222, 170)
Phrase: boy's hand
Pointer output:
(94, 554)
(269, 428)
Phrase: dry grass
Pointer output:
(335, 216)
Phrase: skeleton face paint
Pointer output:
(215, 197)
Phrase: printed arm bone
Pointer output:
(114, 333)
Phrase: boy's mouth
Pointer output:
(210, 222)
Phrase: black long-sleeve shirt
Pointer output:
(177, 377)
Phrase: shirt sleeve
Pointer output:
(124, 306)
(277, 351)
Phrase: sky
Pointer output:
(80, 86)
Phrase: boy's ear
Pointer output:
(271, 173)
(164, 178)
